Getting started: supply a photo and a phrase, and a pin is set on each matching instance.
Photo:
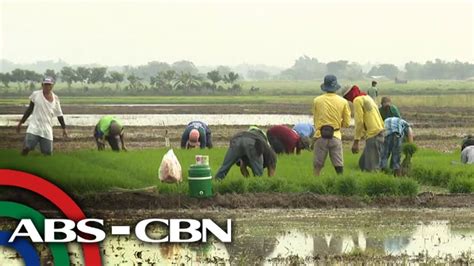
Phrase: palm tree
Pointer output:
(186, 81)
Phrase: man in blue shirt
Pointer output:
(196, 134)
(396, 129)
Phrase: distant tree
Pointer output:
(353, 71)
(97, 74)
(83, 74)
(214, 76)
(388, 70)
(184, 67)
(223, 70)
(187, 82)
(51, 73)
(337, 67)
(18, 75)
(32, 76)
(231, 77)
(117, 78)
(135, 83)
(5, 78)
(68, 75)
(164, 80)
(305, 68)
(149, 70)
(25, 77)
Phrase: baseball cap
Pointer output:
(48, 80)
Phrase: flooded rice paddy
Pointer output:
(281, 237)
(175, 119)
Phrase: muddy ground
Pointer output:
(105, 202)
(438, 128)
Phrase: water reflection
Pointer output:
(433, 239)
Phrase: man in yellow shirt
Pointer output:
(368, 125)
(330, 113)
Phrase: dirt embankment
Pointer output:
(126, 201)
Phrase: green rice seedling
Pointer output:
(461, 184)
(408, 187)
(380, 185)
(232, 185)
(346, 186)
(408, 149)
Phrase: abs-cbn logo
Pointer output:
(34, 227)
(65, 231)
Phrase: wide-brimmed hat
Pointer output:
(193, 139)
(330, 84)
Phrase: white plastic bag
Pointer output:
(170, 169)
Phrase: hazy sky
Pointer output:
(233, 32)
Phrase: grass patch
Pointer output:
(89, 171)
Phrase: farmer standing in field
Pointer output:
(249, 148)
(396, 129)
(368, 125)
(196, 134)
(304, 130)
(330, 113)
(111, 129)
(373, 91)
(44, 106)
(285, 140)
(387, 109)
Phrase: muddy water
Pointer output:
(281, 237)
(176, 119)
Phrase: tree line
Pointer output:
(309, 68)
(184, 76)
(179, 78)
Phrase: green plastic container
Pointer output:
(200, 181)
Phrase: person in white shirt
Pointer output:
(44, 106)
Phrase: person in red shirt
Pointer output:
(285, 140)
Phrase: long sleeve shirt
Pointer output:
(368, 122)
(331, 109)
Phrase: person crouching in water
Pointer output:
(249, 148)
(286, 140)
(196, 134)
(109, 128)
(396, 129)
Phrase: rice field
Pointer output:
(89, 171)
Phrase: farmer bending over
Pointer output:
(396, 129)
(304, 130)
(249, 148)
(387, 109)
(109, 128)
(368, 125)
(44, 105)
(331, 112)
(467, 150)
(196, 134)
(285, 140)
